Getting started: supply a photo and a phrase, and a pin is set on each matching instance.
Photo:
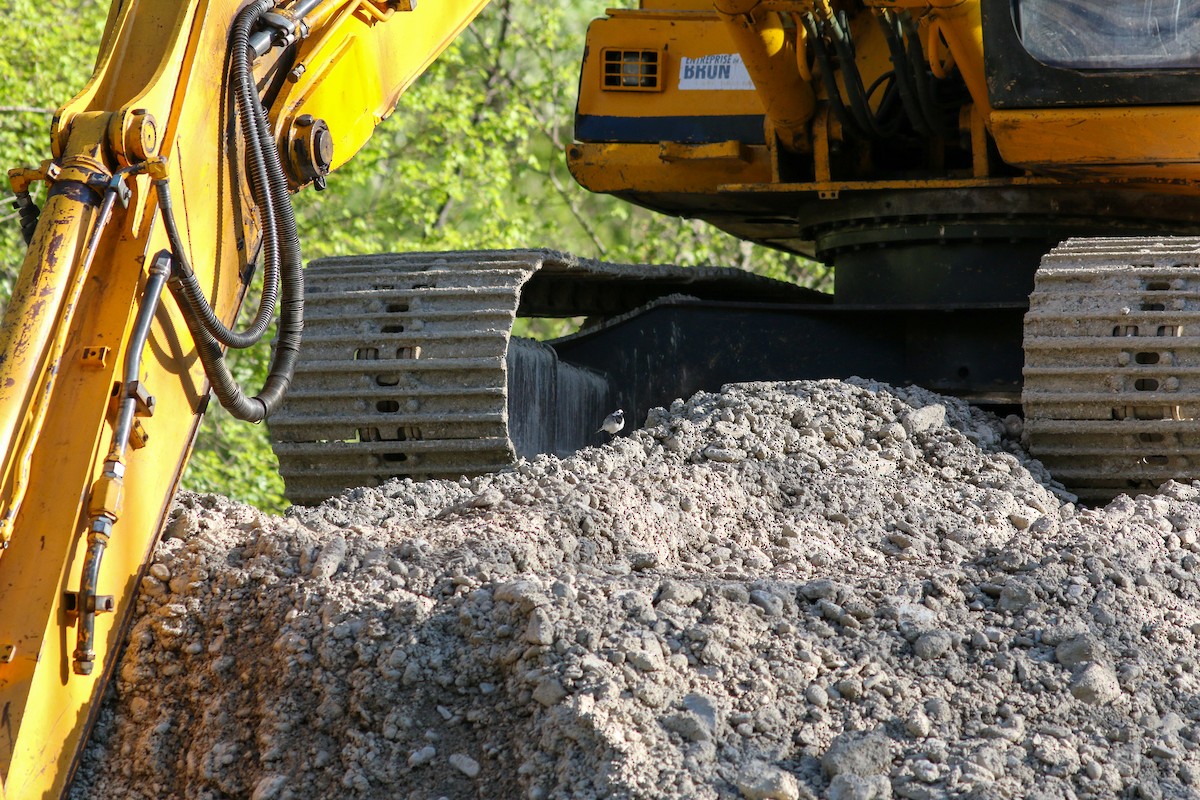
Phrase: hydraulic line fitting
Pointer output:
(21, 179)
(286, 28)
(309, 150)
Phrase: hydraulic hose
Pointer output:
(291, 323)
(191, 294)
(888, 121)
(259, 179)
(281, 252)
(922, 75)
(249, 118)
(226, 387)
(102, 510)
(902, 67)
(856, 93)
(28, 212)
(291, 315)
(909, 79)
(829, 80)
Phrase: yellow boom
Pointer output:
(101, 386)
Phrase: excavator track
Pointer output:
(1112, 364)
(407, 363)
(402, 371)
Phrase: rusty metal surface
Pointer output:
(1112, 364)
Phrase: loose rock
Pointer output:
(740, 598)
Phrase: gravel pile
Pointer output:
(812, 589)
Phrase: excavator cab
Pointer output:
(1114, 37)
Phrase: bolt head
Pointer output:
(323, 149)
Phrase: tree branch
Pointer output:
(578, 215)
(495, 74)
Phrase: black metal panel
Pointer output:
(747, 128)
(677, 348)
(949, 272)
(553, 407)
(569, 287)
(1016, 79)
(801, 222)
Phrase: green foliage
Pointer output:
(472, 159)
(232, 457)
(44, 55)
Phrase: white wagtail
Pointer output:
(613, 422)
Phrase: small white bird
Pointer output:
(613, 422)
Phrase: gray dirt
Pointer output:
(813, 589)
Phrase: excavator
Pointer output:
(1005, 190)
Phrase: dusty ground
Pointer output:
(817, 589)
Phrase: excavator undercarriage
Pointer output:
(409, 368)
(1111, 363)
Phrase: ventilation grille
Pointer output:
(631, 71)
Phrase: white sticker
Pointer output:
(721, 72)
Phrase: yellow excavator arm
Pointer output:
(170, 175)
(931, 151)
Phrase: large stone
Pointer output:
(1096, 685)
(762, 781)
(858, 753)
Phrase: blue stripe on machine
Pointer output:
(746, 128)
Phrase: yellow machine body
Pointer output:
(705, 135)
(932, 153)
